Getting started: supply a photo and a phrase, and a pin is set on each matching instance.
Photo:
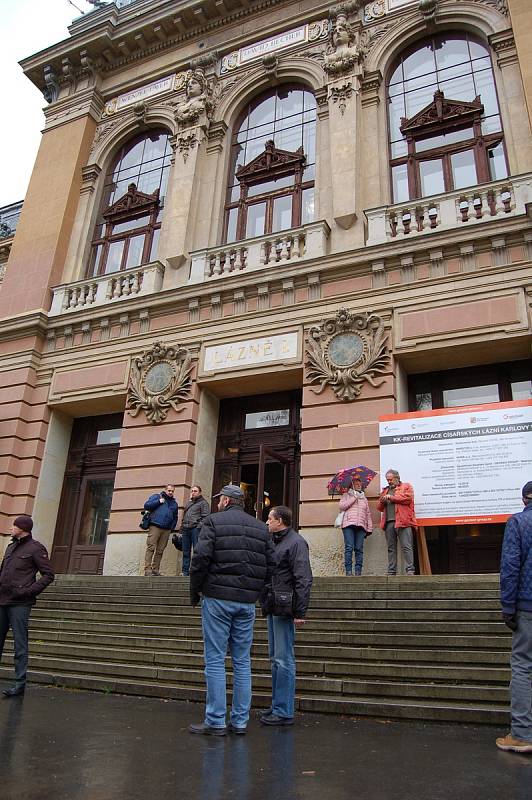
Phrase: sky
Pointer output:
(26, 26)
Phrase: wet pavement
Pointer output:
(59, 744)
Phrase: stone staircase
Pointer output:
(416, 648)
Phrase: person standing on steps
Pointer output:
(285, 602)
(356, 525)
(23, 559)
(231, 565)
(516, 604)
(398, 518)
(163, 519)
(196, 509)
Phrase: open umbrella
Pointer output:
(342, 481)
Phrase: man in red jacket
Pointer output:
(397, 520)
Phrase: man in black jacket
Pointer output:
(194, 513)
(285, 602)
(24, 557)
(232, 563)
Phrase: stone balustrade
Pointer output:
(106, 289)
(262, 252)
(462, 208)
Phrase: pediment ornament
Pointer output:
(344, 351)
(271, 158)
(441, 110)
(159, 380)
(131, 202)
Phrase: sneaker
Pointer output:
(233, 729)
(516, 745)
(207, 730)
(273, 719)
(156, 573)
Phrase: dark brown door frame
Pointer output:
(265, 452)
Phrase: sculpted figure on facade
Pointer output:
(346, 50)
(198, 106)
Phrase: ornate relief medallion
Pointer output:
(159, 380)
(344, 351)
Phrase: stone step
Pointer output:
(398, 708)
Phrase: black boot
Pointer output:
(14, 691)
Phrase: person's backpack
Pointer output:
(145, 520)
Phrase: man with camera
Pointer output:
(163, 518)
(285, 602)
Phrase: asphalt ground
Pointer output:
(59, 744)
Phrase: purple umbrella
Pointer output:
(342, 481)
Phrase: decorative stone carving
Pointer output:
(341, 95)
(270, 62)
(374, 10)
(346, 50)
(101, 131)
(159, 380)
(185, 143)
(344, 351)
(500, 5)
(428, 9)
(51, 90)
(198, 106)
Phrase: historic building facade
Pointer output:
(253, 227)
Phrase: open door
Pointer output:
(267, 495)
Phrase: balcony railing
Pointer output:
(286, 247)
(107, 289)
(458, 209)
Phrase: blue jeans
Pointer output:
(17, 618)
(190, 540)
(227, 624)
(521, 686)
(354, 536)
(281, 637)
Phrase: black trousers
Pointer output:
(17, 618)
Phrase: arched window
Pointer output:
(127, 231)
(445, 126)
(271, 177)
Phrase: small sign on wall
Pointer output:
(251, 352)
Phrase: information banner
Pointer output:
(467, 465)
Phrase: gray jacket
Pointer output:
(195, 512)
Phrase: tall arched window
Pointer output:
(445, 127)
(271, 177)
(127, 231)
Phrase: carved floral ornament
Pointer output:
(158, 381)
(344, 351)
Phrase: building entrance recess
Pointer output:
(258, 448)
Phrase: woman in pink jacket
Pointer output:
(356, 525)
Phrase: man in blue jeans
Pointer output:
(232, 563)
(516, 603)
(194, 513)
(285, 602)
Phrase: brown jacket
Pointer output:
(22, 560)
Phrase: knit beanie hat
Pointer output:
(527, 490)
(24, 522)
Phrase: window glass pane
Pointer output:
(231, 224)
(289, 102)
(289, 139)
(497, 163)
(485, 87)
(397, 75)
(309, 173)
(461, 88)
(446, 138)
(132, 156)
(522, 390)
(96, 510)
(152, 255)
(477, 49)
(111, 436)
(255, 220)
(463, 168)
(271, 186)
(282, 213)
(492, 124)
(431, 175)
(114, 256)
(95, 259)
(309, 142)
(396, 112)
(399, 148)
(473, 395)
(263, 112)
(134, 253)
(155, 147)
(130, 225)
(450, 52)
(262, 132)
(400, 183)
(164, 183)
(307, 210)
(149, 182)
(417, 100)
(419, 62)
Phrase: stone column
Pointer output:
(373, 156)
(344, 156)
(522, 29)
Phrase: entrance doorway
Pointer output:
(85, 506)
(258, 448)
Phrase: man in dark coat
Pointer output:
(194, 513)
(24, 557)
(285, 603)
(231, 565)
(163, 519)
(516, 604)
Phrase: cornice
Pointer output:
(33, 324)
